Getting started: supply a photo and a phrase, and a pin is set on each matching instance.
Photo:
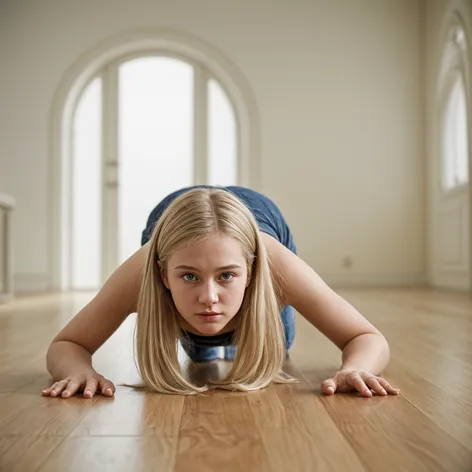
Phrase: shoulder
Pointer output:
(279, 259)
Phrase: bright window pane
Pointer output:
(221, 137)
(155, 140)
(462, 162)
(86, 195)
(448, 147)
(455, 142)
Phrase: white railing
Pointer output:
(7, 205)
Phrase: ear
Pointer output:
(163, 275)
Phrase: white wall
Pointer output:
(338, 89)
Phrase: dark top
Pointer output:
(269, 219)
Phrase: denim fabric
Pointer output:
(267, 214)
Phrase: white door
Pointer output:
(166, 124)
(449, 229)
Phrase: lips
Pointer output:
(209, 316)
(209, 313)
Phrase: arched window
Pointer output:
(142, 128)
(135, 117)
(454, 149)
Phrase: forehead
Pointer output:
(215, 250)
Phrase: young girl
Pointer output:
(217, 267)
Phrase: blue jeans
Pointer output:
(203, 353)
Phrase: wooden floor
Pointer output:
(282, 428)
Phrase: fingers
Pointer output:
(66, 387)
(46, 392)
(328, 387)
(362, 381)
(380, 386)
(56, 388)
(374, 384)
(106, 387)
(90, 387)
(71, 389)
(359, 384)
(94, 383)
(390, 390)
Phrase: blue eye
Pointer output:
(185, 275)
(226, 277)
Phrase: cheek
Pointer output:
(236, 292)
(177, 294)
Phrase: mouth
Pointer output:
(209, 315)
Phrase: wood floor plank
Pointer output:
(377, 426)
(380, 427)
(218, 433)
(443, 371)
(119, 454)
(14, 405)
(26, 453)
(442, 408)
(13, 380)
(27, 413)
(433, 301)
(132, 413)
(283, 427)
(297, 432)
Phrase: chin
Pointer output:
(209, 328)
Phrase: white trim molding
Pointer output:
(7, 285)
(451, 60)
(156, 41)
(353, 279)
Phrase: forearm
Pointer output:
(369, 352)
(65, 357)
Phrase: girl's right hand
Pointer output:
(87, 382)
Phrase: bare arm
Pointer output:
(363, 346)
(65, 357)
(72, 349)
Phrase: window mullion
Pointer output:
(109, 233)
(200, 126)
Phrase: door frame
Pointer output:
(155, 41)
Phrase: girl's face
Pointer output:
(208, 276)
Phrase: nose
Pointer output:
(209, 295)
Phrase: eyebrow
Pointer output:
(231, 266)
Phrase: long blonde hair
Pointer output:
(259, 333)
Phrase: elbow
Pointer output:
(384, 349)
(387, 348)
(377, 335)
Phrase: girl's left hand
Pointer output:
(352, 380)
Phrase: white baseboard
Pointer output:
(31, 283)
(375, 279)
(450, 280)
